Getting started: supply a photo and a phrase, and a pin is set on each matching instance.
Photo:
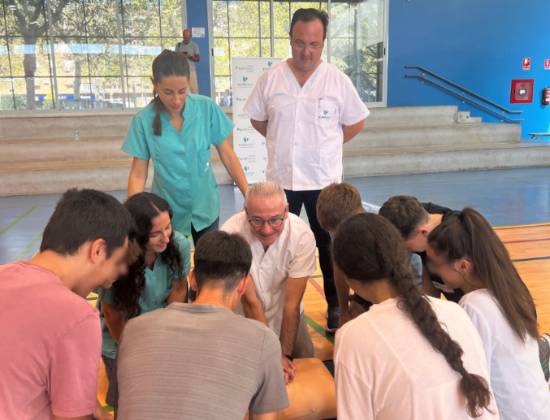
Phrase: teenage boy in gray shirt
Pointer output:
(201, 360)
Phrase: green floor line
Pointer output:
(319, 329)
(17, 220)
(29, 247)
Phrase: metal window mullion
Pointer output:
(160, 27)
(260, 28)
(272, 27)
(51, 55)
(87, 53)
(9, 55)
(120, 40)
(329, 32)
(228, 42)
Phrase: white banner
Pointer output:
(249, 145)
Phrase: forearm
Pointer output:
(264, 416)
(252, 306)
(342, 291)
(114, 320)
(289, 329)
(260, 127)
(350, 131)
(254, 311)
(135, 185)
(178, 293)
(138, 176)
(233, 166)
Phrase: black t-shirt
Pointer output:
(457, 294)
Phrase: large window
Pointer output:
(259, 28)
(75, 54)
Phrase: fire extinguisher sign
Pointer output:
(547, 64)
(526, 63)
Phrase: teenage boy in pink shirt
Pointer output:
(51, 337)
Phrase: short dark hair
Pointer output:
(309, 15)
(336, 203)
(86, 215)
(221, 257)
(405, 212)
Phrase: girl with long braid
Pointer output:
(176, 132)
(410, 356)
(466, 252)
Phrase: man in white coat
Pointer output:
(307, 109)
(283, 259)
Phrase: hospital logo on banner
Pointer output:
(249, 145)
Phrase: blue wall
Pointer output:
(479, 44)
(197, 16)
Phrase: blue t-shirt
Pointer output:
(181, 159)
(158, 284)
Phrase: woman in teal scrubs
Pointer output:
(156, 277)
(176, 131)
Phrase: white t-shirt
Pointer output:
(291, 255)
(516, 374)
(304, 131)
(191, 49)
(387, 370)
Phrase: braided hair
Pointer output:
(367, 248)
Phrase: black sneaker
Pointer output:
(333, 318)
(544, 354)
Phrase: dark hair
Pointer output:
(337, 202)
(221, 257)
(86, 215)
(144, 207)
(309, 15)
(367, 248)
(167, 63)
(405, 212)
(469, 235)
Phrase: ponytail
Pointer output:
(157, 122)
(367, 248)
(469, 235)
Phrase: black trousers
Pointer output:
(322, 238)
(197, 235)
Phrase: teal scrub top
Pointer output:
(158, 284)
(181, 159)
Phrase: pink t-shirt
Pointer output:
(49, 349)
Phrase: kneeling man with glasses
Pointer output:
(283, 259)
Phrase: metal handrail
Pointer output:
(463, 89)
(465, 98)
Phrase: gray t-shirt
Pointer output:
(198, 362)
(190, 48)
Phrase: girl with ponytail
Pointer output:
(410, 356)
(176, 131)
(467, 254)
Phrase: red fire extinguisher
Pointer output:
(546, 96)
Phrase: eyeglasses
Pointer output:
(259, 223)
(302, 45)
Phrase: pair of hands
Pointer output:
(289, 370)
